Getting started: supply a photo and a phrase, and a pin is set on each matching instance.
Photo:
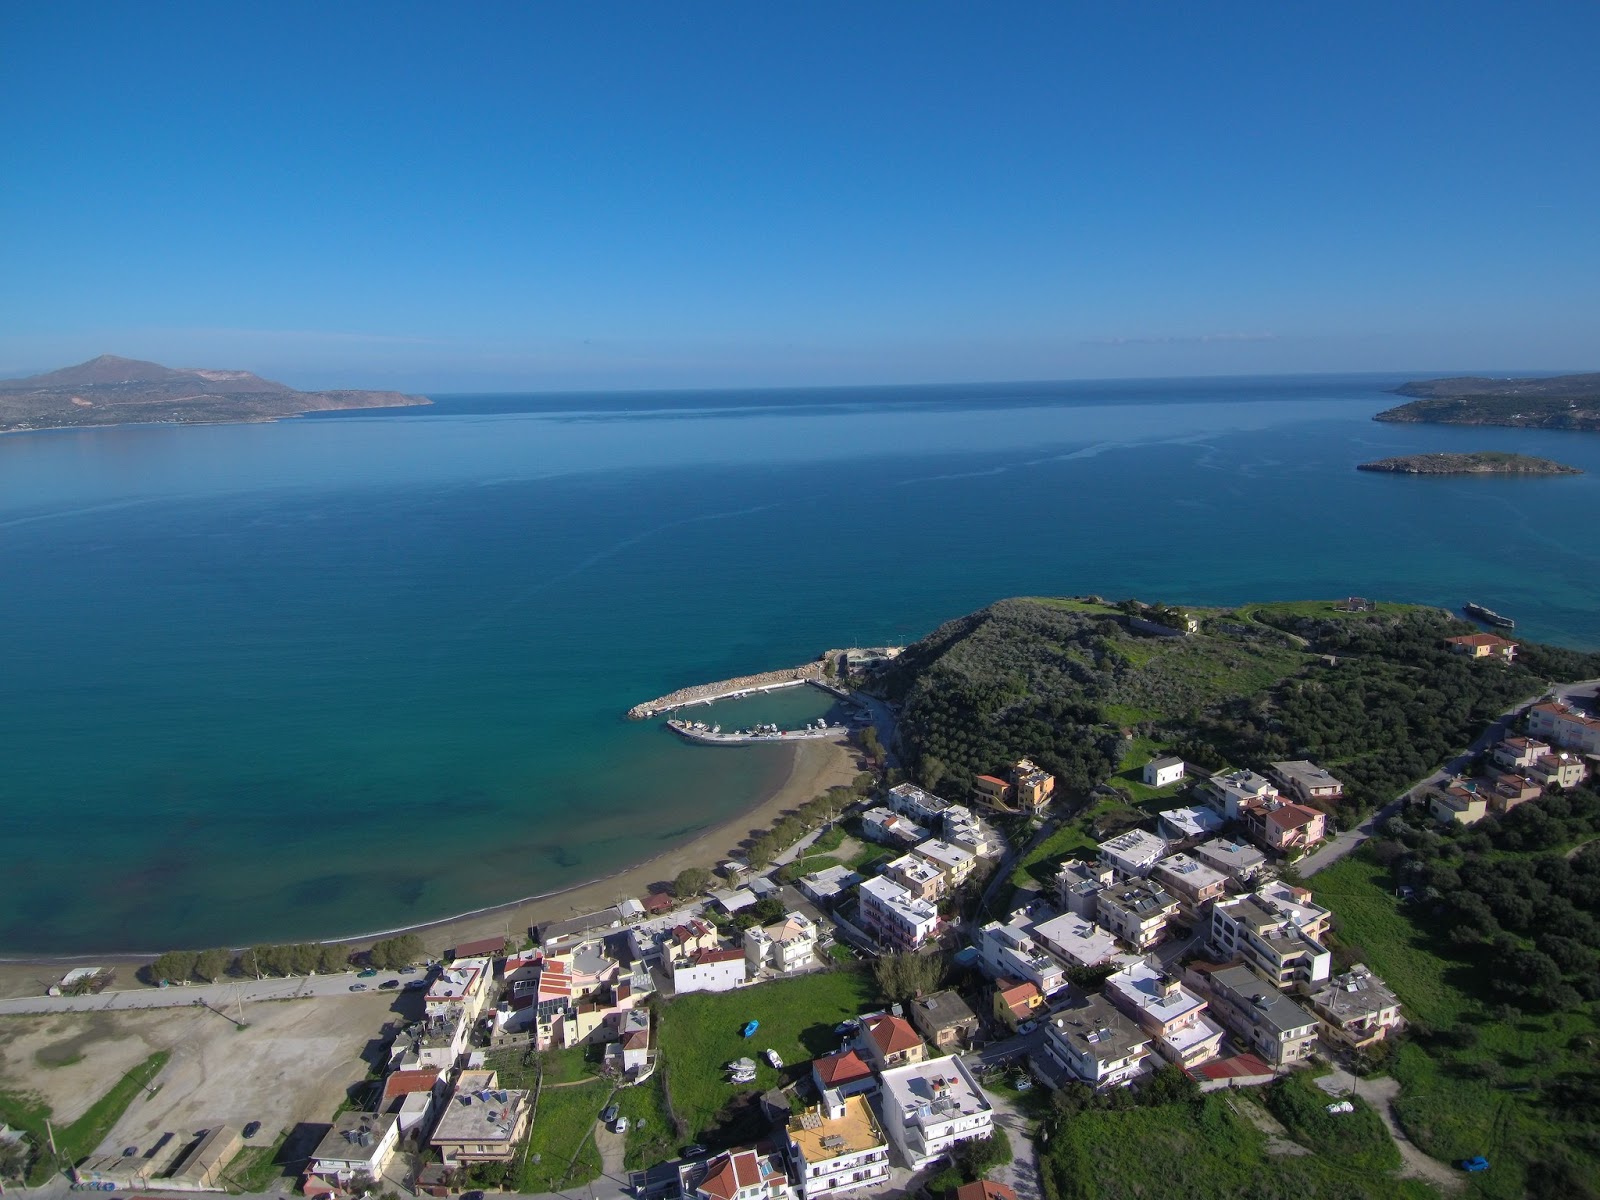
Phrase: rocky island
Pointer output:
(1478, 462)
(122, 391)
(1558, 402)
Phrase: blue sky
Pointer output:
(543, 196)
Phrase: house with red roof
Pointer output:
(845, 1072)
(736, 1175)
(1483, 645)
(890, 1041)
(1017, 1000)
(1292, 828)
(984, 1189)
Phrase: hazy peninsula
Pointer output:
(1559, 402)
(1478, 462)
(122, 391)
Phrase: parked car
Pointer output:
(408, 970)
(358, 987)
(621, 1125)
(608, 1114)
(416, 985)
(387, 984)
(696, 1150)
(1474, 1164)
(471, 1196)
(253, 1128)
(367, 974)
(1027, 1027)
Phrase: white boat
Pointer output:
(772, 1057)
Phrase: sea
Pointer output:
(349, 672)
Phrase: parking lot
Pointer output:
(292, 1063)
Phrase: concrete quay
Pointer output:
(725, 689)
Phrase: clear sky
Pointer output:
(456, 197)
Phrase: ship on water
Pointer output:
(1487, 615)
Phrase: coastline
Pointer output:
(816, 766)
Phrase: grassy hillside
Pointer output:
(1376, 697)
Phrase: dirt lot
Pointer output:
(292, 1064)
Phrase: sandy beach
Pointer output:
(817, 767)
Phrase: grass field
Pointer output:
(1320, 610)
(1483, 1087)
(255, 1167)
(1356, 1138)
(699, 1034)
(564, 1127)
(652, 1136)
(1205, 1152)
(78, 1139)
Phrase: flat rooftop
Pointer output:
(1141, 986)
(1077, 939)
(821, 1138)
(935, 1091)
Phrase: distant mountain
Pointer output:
(117, 391)
(1558, 402)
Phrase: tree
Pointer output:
(976, 1157)
(392, 953)
(175, 966)
(691, 881)
(903, 976)
(210, 964)
(15, 1156)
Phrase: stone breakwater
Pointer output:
(705, 693)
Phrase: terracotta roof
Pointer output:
(1292, 816)
(1480, 639)
(1018, 996)
(984, 1189)
(701, 957)
(992, 779)
(657, 902)
(844, 1067)
(403, 1083)
(637, 1040)
(480, 947)
(1232, 1068)
(893, 1035)
(727, 1173)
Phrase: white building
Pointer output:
(930, 1106)
(1095, 1043)
(786, 946)
(1166, 1010)
(1239, 861)
(891, 828)
(1185, 824)
(951, 861)
(838, 1147)
(1161, 772)
(1076, 941)
(710, 971)
(895, 916)
(1276, 936)
(1565, 726)
(462, 987)
(1133, 853)
(1079, 885)
(1009, 951)
(359, 1144)
(1137, 912)
(1234, 793)
(828, 885)
(922, 807)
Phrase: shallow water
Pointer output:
(359, 670)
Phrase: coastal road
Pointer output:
(1346, 842)
(226, 996)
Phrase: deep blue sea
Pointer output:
(352, 671)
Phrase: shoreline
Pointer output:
(816, 766)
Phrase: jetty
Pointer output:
(729, 689)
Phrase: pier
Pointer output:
(728, 689)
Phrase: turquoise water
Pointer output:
(350, 672)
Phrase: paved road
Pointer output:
(224, 996)
(1349, 840)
